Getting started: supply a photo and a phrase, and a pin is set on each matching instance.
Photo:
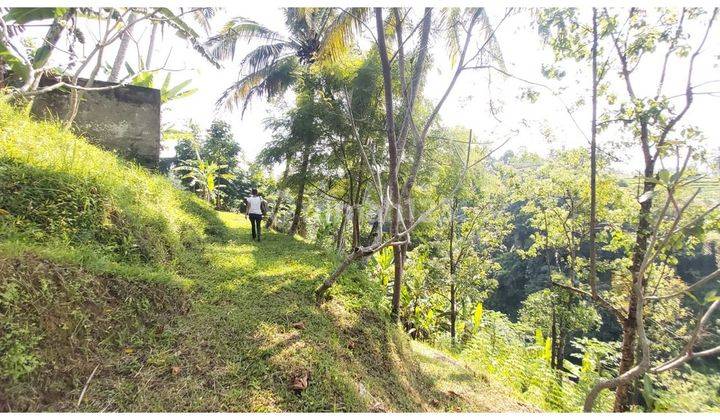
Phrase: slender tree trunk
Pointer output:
(355, 227)
(122, 50)
(356, 215)
(393, 174)
(560, 353)
(340, 236)
(42, 55)
(453, 309)
(554, 340)
(301, 192)
(270, 223)
(373, 232)
(151, 47)
(453, 312)
(397, 282)
(593, 163)
(627, 359)
(320, 292)
(2, 73)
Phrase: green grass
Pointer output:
(107, 268)
(225, 341)
(57, 186)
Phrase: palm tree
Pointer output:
(271, 68)
(278, 63)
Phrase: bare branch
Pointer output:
(710, 277)
(689, 90)
(688, 353)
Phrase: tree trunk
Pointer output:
(453, 310)
(42, 55)
(270, 223)
(355, 227)
(122, 50)
(397, 282)
(301, 192)
(356, 215)
(320, 292)
(451, 254)
(593, 164)
(627, 359)
(151, 47)
(554, 340)
(560, 352)
(340, 236)
(393, 170)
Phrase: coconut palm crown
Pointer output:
(269, 69)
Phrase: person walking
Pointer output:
(254, 209)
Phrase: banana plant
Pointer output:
(205, 175)
(168, 93)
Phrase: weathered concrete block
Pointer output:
(125, 119)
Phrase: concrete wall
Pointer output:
(124, 119)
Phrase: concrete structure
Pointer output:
(125, 119)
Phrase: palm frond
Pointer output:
(270, 81)
(455, 22)
(202, 16)
(222, 45)
(263, 56)
(450, 22)
(492, 51)
(296, 19)
(185, 31)
(338, 36)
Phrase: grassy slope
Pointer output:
(174, 309)
(237, 348)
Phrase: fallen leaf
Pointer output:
(299, 325)
(300, 381)
(129, 350)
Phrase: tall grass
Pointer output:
(56, 186)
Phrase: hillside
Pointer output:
(119, 292)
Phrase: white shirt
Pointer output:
(254, 204)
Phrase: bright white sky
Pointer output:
(468, 104)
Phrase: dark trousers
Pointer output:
(255, 220)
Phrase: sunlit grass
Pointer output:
(106, 265)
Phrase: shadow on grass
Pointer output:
(252, 329)
(215, 229)
(258, 320)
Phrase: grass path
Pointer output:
(237, 349)
(247, 330)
